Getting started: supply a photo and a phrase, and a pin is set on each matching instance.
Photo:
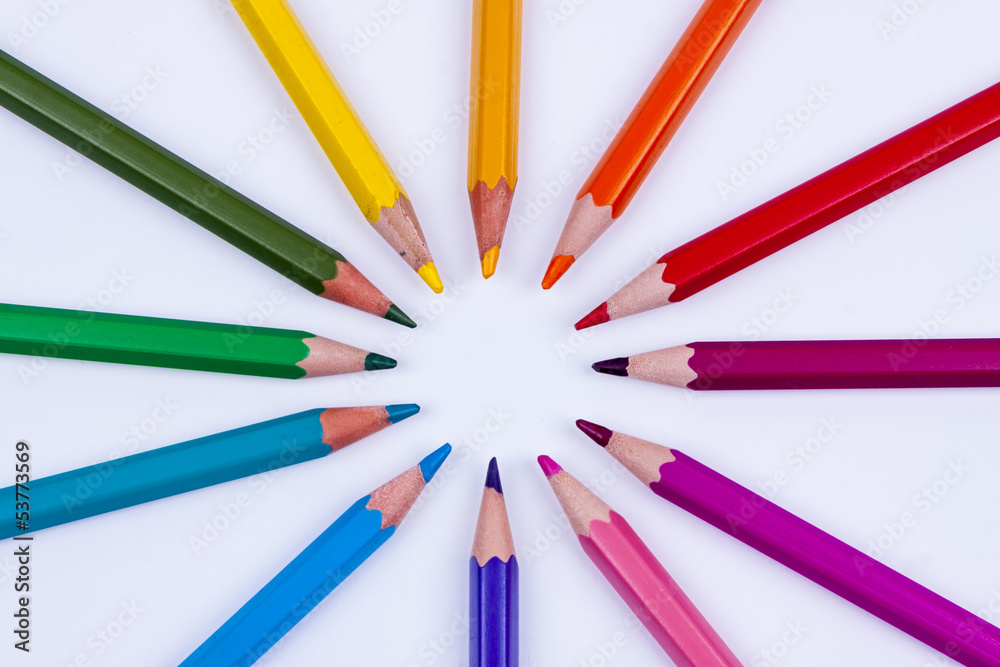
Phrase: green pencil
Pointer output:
(199, 346)
(188, 190)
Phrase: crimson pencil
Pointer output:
(791, 541)
(817, 364)
(493, 582)
(652, 124)
(807, 208)
(640, 579)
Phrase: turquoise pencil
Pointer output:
(320, 568)
(191, 465)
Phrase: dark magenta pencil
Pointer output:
(804, 548)
(817, 364)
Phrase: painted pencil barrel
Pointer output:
(824, 559)
(166, 177)
(167, 471)
(300, 586)
(493, 613)
(653, 595)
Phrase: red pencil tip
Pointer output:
(597, 316)
(595, 432)
(557, 267)
(549, 467)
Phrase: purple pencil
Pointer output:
(817, 364)
(842, 569)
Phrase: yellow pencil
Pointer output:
(496, 82)
(339, 130)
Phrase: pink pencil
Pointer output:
(639, 578)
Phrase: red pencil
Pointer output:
(652, 124)
(639, 578)
(807, 208)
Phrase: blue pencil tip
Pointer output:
(429, 466)
(398, 413)
(493, 476)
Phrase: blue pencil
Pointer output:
(493, 582)
(320, 568)
(194, 464)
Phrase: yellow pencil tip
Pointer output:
(430, 275)
(490, 261)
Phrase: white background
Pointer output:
(502, 346)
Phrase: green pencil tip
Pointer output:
(394, 314)
(377, 362)
(429, 466)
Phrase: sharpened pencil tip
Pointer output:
(394, 314)
(597, 316)
(432, 462)
(489, 261)
(430, 275)
(595, 432)
(377, 362)
(618, 366)
(398, 413)
(493, 476)
(557, 268)
(549, 467)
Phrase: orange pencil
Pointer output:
(652, 124)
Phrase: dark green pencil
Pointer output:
(199, 346)
(188, 190)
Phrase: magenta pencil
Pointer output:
(817, 364)
(775, 532)
(637, 575)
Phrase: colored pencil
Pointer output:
(494, 94)
(804, 548)
(195, 464)
(339, 130)
(493, 582)
(652, 124)
(807, 208)
(198, 346)
(638, 577)
(817, 364)
(314, 573)
(188, 190)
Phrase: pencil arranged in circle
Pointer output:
(807, 208)
(198, 346)
(817, 364)
(493, 122)
(167, 471)
(649, 128)
(638, 577)
(314, 573)
(188, 190)
(816, 555)
(493, 582)
(339, 130)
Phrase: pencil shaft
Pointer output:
(824, 559)
(167, 471)
(835, 364)
(493, 623)
(183, 187)
(294, 591)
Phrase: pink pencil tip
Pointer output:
(549, 467)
